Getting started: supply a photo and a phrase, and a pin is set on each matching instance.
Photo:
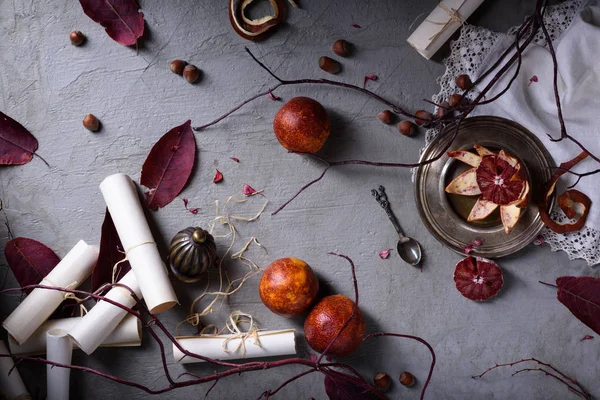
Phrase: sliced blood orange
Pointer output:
(465, 184)
(494, 178)
(478, 278)
(465, 156)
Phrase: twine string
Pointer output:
(454, 15)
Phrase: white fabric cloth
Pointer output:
(575, 29)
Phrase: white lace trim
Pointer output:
(468, 53)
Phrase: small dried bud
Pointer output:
(177, 66)
(423, 118)
(442, 109)
(191, 73)
(329, 65)
(382, 381)
(407, 379)
(407, 128)
(77, 38)
(386, 116)
(464, 82)
(91, 122)
(455, 100)
(341, 47)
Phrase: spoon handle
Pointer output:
(382, 199)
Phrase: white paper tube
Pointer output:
(11, 385)
(127, 333)
(123, 203)
(272, 343)
(59, 349)
(443, 21)
(73, 269)
(96, 325)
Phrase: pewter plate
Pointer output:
(445, 215)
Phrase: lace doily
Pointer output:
(468, 54)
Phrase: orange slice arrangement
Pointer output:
(498, 179)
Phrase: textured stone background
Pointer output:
(49, 85)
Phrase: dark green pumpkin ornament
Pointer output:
(191, 252)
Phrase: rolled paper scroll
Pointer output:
(233, 347)
(11, 384)
(96, 325)
(73, 269)
(127, 333)
(443, 21)
(124, 205)
(59, 349)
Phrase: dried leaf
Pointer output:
(218, 177)
(384, 254)
(338, 388)
(581, 295)
(17, 145)
(29, 260)
(165, 172)
(122, 19)
(111, 252)
(371, 77)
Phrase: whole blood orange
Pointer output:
(288, 287)
(302, 125)
(325, 321)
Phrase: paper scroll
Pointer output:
(443, 21)
(127, 333)
(271, 343)
(96, 325)
(73, 269)
(123, 203)
(11, 384)
(59, 349)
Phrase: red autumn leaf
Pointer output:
(218, 177)
(166, 172)
(338, 388)
(235, 159)
(384, 254)
(111, 252)
(29, 260)
(122, 19)
(371, 77)
(17, 145)
(581, 295)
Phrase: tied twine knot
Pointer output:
(68, 295)
(232, 324)
(115, 270)
(454, 15)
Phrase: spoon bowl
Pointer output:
(410, 251)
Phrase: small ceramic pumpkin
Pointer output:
(191, 252)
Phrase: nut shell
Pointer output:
(177, 66)
(406, 128)
(90, 122)
(288, 287)
(329, 65)
(191, 252)
(407, 379)
(327, 318)
(341, 47)
(302, 125)
(191, 73)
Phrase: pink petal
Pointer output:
(218, 177)
(235, 159)
(193, 210)
(356, 26)
(384, 254)
(249, 190)
(532, 79)
(185, 202)
(586, 337)
(371, 77)
(273, 97)
(469, 248)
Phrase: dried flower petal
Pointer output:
(384, 254)
(469, 248)
(185, 202)
(218, 177)
(532, 79)
(249, 190)
(371, 77)
(356, 26)
(539, 241)
(586, 337)
(194, 210)
(235, 159)
(273, 97)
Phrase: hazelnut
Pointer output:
(407, 379)
(442, 109)
(177, 66)
(386, 116)
(382, 381)
(464, 82)
(329, 65)
(423, 118)
(455, 100)
(341, 47)
(77, 38)
(191, 73)
(407, 128)
(91, 122)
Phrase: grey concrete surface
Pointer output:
(49, 85)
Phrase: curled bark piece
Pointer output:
(565, 200)
(254, 29)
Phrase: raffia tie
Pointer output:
(454, 17)
(68, 295)
(234, 319)
(115, 270)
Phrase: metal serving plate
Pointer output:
(445, 215)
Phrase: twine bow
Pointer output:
(454, 17)
(235, 318)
